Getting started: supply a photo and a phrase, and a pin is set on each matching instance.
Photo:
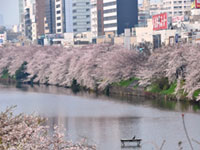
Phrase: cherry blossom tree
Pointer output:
(27, 132)
(178, 63)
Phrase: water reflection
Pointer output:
(105, 131)
(105, 120)
(185, 106)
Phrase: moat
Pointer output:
(105, 120)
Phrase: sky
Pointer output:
(10, 11)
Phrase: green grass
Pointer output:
(162, 86)
(171, 89)
(196, 93)
(154, 88)
(5, 74)
(126, 83)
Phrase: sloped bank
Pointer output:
(160, 90)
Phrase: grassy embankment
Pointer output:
(160, 86)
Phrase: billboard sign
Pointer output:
(197, 3)
(177, 19)
(160, 21)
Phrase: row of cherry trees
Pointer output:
(91, 65)
(100, 65)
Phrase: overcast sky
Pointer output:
(10, 12)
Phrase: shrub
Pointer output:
(21, 73)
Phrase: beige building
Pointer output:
(3, 38)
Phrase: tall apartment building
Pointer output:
(29, 19)
(60, 16)
(21, 15)
(176, 7)
(33, 19)
(21, 11)
(97, 25)
(156, 8)
(72, 16)
(49, 20)
(40, 15)
(81, 16)
(144, 13)
(120, 14)
(68, 16)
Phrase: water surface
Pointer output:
(103, 120)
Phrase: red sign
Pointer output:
(177, 19)
(197, 3)
(160, 21)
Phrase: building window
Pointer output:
(57, 0)
(75, 23)
(88, 22)
(110, 10)
(75, 30)
(58, 18)
(59, 30)
(87, 3)
(88, 16)
(110, 25)
(58, 24)
(110, 18)
(74, 11)
(74, 17)
(88, 29)
(58, 6)
(87, 9)
(109, 4)
(74, 4)
(58, 12)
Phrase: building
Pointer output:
(177, 7)
(60, 16)
(49, 20)
(68, 16)
(72, 16)
(15, 28)
(81, 16)
(156, 8)
(32, 23)
(21, 11)
(21, 15)
(28, 15)
(143, 13)
(40, 16)
(3, 38)
(97, 24)
(120, 14)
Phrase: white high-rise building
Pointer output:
(97, 18)
(72, 16)
(94, 22)
(110, 15)
(176, 7)
(60, 16)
